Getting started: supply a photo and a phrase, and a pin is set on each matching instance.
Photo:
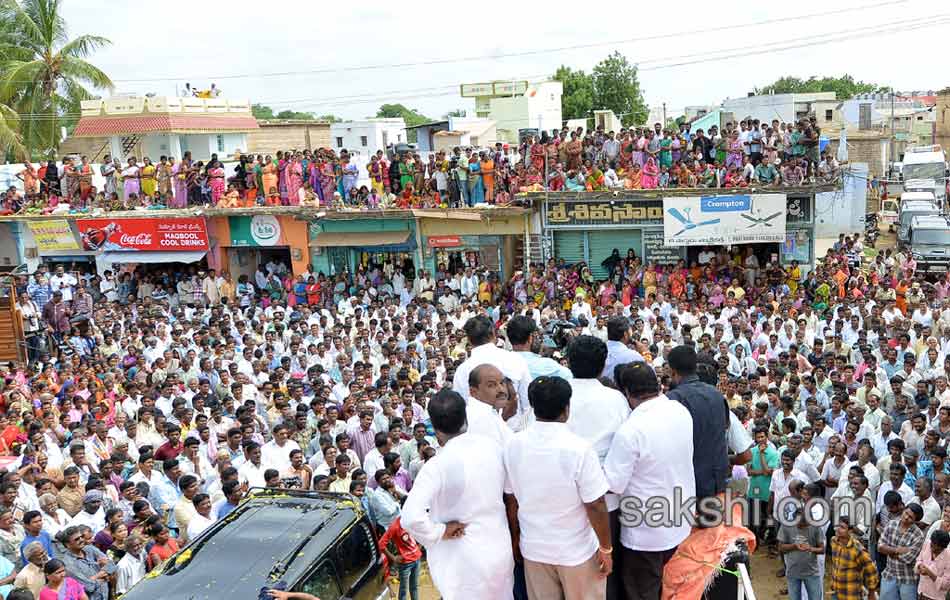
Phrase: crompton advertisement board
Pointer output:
(724, 220)
(160, 235)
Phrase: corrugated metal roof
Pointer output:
(140, 124)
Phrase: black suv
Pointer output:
(314, 542)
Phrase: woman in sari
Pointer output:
(130, 179)
(736, 151)
(651, 174)
(164, 176)
(650, 279)
(216, 182)
(595, 179)
(293, 174)
(538, 152)
(476, 193)
(633, 180)
(269, 177)
(405, 172)
(58, 585)
(149, 181)
(666, 153)
(418, 175)
(487, 167)
(180, 172)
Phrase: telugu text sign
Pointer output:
(723, 220)
(53, 234)
(631, 212)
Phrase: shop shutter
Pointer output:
(603, 241)
(569, 245)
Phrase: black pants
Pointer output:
(643, 573)
(614, 580)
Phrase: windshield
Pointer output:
(931, 236)
(936, 171)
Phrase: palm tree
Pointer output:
(43, 74)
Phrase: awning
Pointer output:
(151, 257)
(371, 238)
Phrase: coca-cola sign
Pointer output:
(184, 234)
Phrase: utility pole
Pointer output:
(892, 139)
(664, 114)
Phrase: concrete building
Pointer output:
(160, 125)
(364, 138)
(784, 107)
(455, 131)
(516, 106)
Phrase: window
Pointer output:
(829, 114)
(363, 141)
(322, 582)
(220, 140)
(356, 554)
(339, 142)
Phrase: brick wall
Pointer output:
(862, 148)
(299, 135)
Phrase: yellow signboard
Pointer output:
(53, 234)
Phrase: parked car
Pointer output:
(314, 542)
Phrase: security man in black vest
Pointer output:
(710, 424)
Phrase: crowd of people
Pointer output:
(494, 423)
(749, 153)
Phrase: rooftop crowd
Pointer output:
(750, 153)
(496, 423)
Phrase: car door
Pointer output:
(322, 581)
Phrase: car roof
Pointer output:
(268, 538)
(916, 205)
(939, 221)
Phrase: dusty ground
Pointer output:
(764, 581)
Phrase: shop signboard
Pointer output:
(259, 230)
(444, 241)
(53, 234)
(718, 220)
(155, 235)
(795, 247)
(655, 251)
(615, 213)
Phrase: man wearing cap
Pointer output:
(92, 513)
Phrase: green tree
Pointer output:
(411, 116)
(262, 112)
(458, 112)
(577, 98)
(617, 88)
(293, 115)
(44, 75)
(844, 86)
(330, 118)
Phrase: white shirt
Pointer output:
(904, 490)
(95, 521)
(129, 571)
(464, 482)
(779, 484)
(485, 420)
(651, 455)
(597, 412)
(510, 364)
(553, 474)
(252, 475)
(372, 462)
(278, 457)
(197, 525)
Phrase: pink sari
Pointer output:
(294, 175)
(216, 183)
(70, 590)
(648, 180)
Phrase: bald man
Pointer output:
(488, 392)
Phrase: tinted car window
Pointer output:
(356, 553)
(322, 582)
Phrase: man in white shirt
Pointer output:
(481, 336)
(456, 509)
(63, 282)
(202, 518)
(252, 471)
(559, 486)
(597, 412)
(275, 454)
(131, 568)
(488, 393)
(650, 455)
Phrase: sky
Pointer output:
(270, 56)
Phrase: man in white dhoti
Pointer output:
(456, 509)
